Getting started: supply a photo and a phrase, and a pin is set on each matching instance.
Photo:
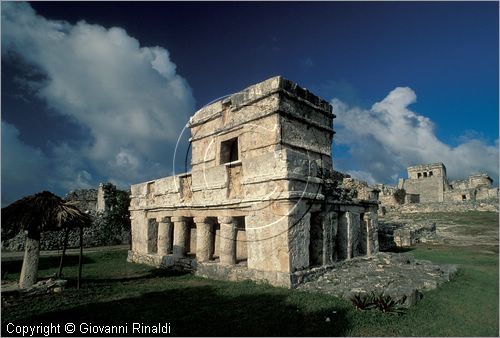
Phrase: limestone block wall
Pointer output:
(427, 170)
(267, 240)
(460, 195)
(364, 191)
(485, 194)
(430, 189)
(480, 181)
(84, 199)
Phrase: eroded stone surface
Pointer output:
(396, 275)
(405, 233)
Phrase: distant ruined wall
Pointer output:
(100, 199)
(84, 199)
(428, 184)
(364, 191)
(450, 206)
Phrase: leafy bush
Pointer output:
(384, 303)
(116, 218)
(362, 302)
(388, 304)
(399, 196)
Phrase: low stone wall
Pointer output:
(412, 234)
(448, 206)
(240, 272)
(404, 234)
(53, 240)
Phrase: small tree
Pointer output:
(116, 217)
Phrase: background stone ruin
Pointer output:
(428, 189)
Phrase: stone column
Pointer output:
(165, 239)
(181, 236)
(373, 231)
(139, 229)
(354, 233)
(367, 228)
(152, 239)
(203, 239)
(348, 216)
(227, 240)
(329, 236)
(349, 235)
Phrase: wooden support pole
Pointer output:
(65, 245)
(80, 258)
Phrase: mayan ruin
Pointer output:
(250, 169)
(257, 203)
(428, 188)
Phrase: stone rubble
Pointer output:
(41, 287)
(402, 234)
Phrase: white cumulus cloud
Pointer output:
(23, 167)
(389, 137)
(129, 97)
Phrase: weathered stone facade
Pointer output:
(257, 203)
(429, 181)
(428, 184)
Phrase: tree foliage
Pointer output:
(399, 196)
(116, 218)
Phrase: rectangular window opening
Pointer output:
(229, 151)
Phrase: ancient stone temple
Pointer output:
(260, 201)
(429, 183)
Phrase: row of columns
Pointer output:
(178, 243)
(359, 231)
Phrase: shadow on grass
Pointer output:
(153, 273)
(202, 311)
(400, 250)
(45, 263)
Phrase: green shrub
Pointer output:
(399, 196)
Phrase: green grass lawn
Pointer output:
(117, 292)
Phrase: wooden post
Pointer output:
(80, 258)
(65, 245)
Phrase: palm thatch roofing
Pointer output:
(41, 212)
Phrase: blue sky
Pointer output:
(95, 91)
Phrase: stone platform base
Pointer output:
(214, 270)
(158, 261)
(395, 275)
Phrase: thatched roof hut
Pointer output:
(34, 214)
